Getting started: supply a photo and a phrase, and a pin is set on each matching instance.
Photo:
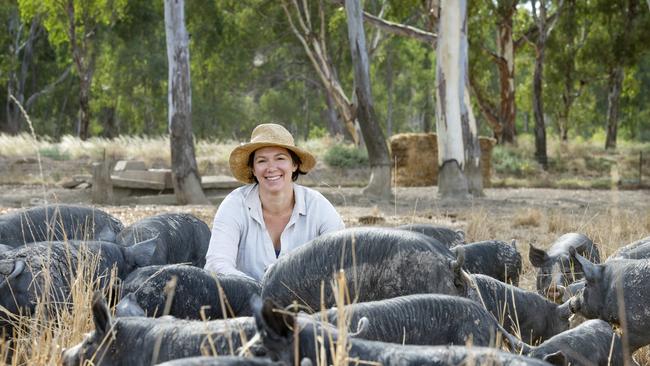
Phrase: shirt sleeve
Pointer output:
(331, 220)
(227, 229)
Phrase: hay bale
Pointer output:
(486, 144)
(415, 159)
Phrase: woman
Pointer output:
(270, 215)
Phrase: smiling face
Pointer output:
(273, 167)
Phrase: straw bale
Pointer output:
(414, 158)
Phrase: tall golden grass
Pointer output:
(39, 339)
(147, 148)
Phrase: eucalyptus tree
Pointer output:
(488, 19)
(21, 52)
(185, 175)
(458, 149)
(75, 24)
(29, 67)
(569, 73)
(379, 184)
(130, 88)
(543, 27)
(627, 38)
(312, 35)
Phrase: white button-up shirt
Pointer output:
(240, 243)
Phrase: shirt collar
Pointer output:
(299, 195)
(255, 205)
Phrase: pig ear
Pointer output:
(269, 322)
(564, 310)
(142, 253)
(107, 234)
(101, 315)
(589, 269)
(128, 306)
(556, 358)
(537, 256)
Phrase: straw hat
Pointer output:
(265, 135)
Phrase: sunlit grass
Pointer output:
(577, 164)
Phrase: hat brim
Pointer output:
(240, 155)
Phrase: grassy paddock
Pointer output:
(44, 336)
(574, 164)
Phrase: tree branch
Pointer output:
(316, 52)
(48, 88)
(533, 31)
(396, 28)
(487, 108)
(401, 29)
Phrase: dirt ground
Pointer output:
(408, 205)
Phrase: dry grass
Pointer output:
(148, 149)
(577, 164)
(40, 339)
(527, 217)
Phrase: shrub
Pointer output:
(317, 132)
(346, 156)
(54, 153)
(601, 183)
(507, 161)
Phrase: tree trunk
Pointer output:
(538, 105)
(451, 113)
(185, 175)
(17, 78)
(379, 184)
(471, 145)
(108, 119)
(429, 104)
(389, 94)
(569, 94)
(506, 52)
(615, 84)
(563, 123)
(334, 126)
(538, 111)
(84, 105)
(84, 61)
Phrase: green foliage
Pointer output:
(247, 67)
(508, 160)
(346, 156)
(88, 14)
(317, 133)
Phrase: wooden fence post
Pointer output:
(102, 190)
